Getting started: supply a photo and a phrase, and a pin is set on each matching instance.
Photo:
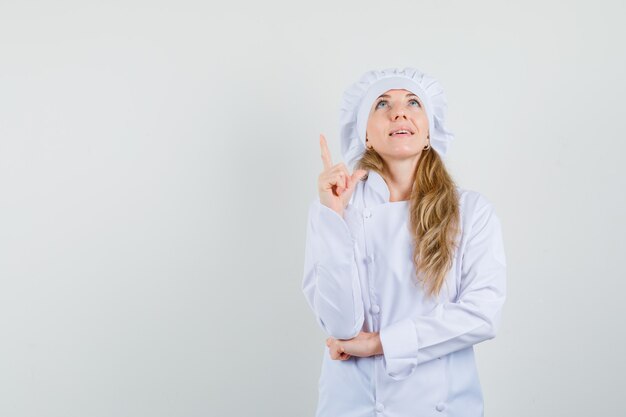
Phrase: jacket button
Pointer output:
(367, 213)
(440, 407)
(375, 309)
(380, 407)
(369, 259)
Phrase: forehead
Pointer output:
(397, 93)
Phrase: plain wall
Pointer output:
(157, 159)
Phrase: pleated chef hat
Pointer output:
(357, 101)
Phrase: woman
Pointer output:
(404, 270)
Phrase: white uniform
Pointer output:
(358, 275)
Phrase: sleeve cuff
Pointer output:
(399, 342)
(331, 216)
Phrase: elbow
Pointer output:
(342, 331)
(486, 331)
(493, 326)
(492, 321)
(340, 318)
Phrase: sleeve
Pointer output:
(473, 318)
(330, 282)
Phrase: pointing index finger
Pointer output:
(326, 159)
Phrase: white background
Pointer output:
(157, 159)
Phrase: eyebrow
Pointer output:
(387, 95)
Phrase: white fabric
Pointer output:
(359, 97)
(358, 275)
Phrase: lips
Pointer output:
(404, 131)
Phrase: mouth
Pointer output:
(401, 132)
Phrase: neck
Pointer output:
(399, 176)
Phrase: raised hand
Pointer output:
(335, 183)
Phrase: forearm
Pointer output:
(331, 281)
(377, 347)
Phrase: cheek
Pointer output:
(375, 127)
(423, 120)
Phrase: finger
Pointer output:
(347, 175)
(326, 159)
(339, 176)
(341, 167)
(334, 177)
(339, 179)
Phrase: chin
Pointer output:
(401, 154)
(403, 151)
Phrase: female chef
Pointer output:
(404, 271)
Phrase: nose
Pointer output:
(397, 113)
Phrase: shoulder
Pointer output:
(472, 199)
(482, 237)
(475, 207)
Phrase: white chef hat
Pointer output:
(359, 97)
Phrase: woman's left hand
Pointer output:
(362, 345)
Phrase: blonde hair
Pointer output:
(434, 216)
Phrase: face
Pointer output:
(390, 112)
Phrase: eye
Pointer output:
(381, 101)
(416, 102)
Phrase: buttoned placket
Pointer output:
(374, 309)
(370, 265)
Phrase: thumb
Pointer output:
(357, 175)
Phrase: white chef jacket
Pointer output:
(359, 275)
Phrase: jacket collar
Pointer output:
(375, 190)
